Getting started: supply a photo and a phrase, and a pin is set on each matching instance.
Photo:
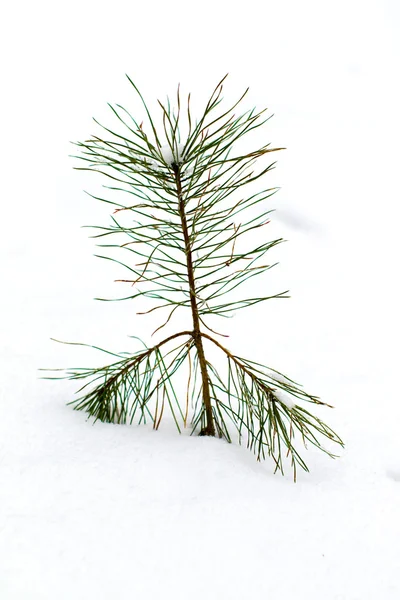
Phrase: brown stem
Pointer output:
(247, 371)
(209, 429)
(140, 357)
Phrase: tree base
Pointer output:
(210, 431)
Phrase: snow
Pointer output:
(105, 511)
(171, 155)
(111, 511)
(284, 398)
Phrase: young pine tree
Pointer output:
(181, 224)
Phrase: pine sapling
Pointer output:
(181, 225)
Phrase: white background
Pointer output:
(184, 518)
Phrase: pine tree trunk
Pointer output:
(209, 429)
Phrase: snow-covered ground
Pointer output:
(106, 511)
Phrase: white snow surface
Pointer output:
(100, 512)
